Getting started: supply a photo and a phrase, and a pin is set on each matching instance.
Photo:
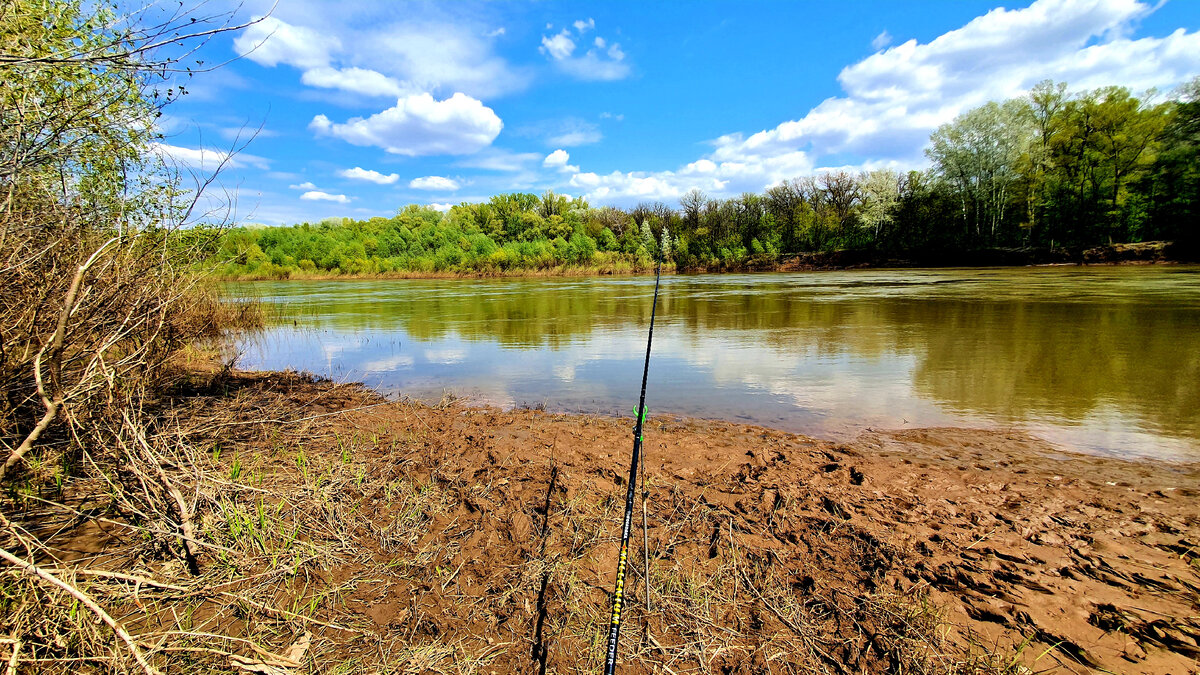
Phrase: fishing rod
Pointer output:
(614, 629)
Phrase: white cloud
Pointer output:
(405, 62)
(895, 98)
(443, 56)
(356, 80)
(440, 207)
(358, 173)
(272, 41)
(206, 159)
(882, 40)
(373, 54)
(318, 196)
(714, 178)
(558, 160)
(306, 185)
(434, 183)
(594, 64)
(420, 125)
(558, 47)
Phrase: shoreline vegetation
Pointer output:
(1142, 253)
(162, 512)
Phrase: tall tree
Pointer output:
(979, 153)
(880, 193)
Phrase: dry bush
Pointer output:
(99, 292)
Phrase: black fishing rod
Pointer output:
(614, 629)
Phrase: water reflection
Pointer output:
(1103, 359)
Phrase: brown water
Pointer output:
(1097, 359)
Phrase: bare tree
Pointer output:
(692, 203)
(842, 192)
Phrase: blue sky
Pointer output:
(368, 106)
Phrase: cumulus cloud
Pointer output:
(318, 196)
(306, 185)
(882, 40)
(714, 178)
(271, 42)
(602, 62)
(411, 61)
(206, 159)
(558, 160)
(558, 46)
(434, 183)
(420, 125)
(369, 175)
(436, 206)
(896, 97)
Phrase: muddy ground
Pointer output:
(410, 538)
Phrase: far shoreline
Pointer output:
(1113, 255)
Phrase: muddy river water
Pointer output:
(1095, 359)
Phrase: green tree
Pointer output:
(1174, 185)
(979, 152)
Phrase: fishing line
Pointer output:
(614, 629)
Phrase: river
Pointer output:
(1103, 360)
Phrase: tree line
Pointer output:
(1049, 170)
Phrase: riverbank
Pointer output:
(341, 528)
(1144, 253)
